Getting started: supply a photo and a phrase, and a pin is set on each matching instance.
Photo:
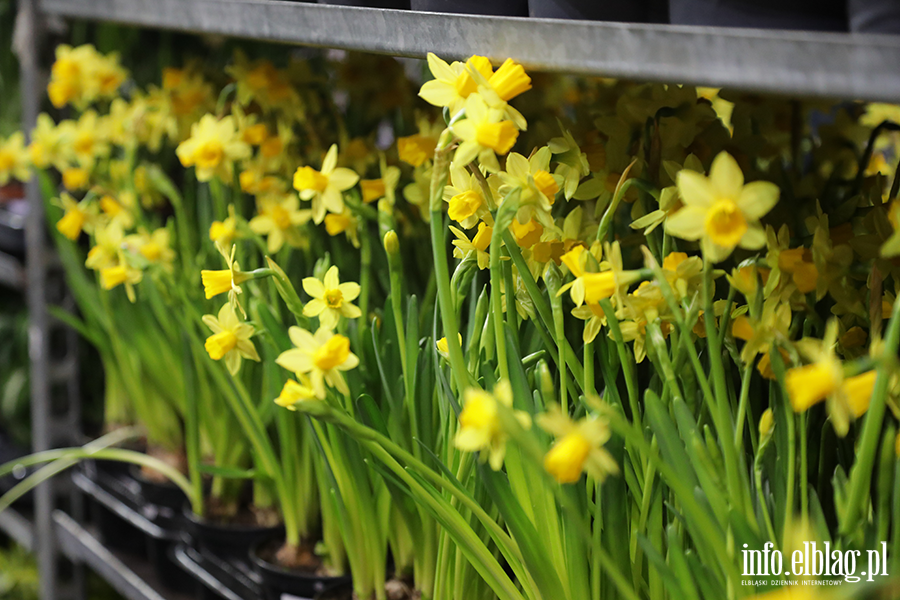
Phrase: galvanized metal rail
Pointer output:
(846, 66)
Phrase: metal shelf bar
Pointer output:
(838, 65)
(18, 527)
(131, 577)
(12, 273)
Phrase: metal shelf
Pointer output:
(12, 273)
(18, 527)
(852, 66)
(130, 576)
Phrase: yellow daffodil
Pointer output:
(77, 217)
(14, 161)
(223, 233)
(453, 83)
(331, 299)
(416, 149)
(823, 379)
(467, 203)
(578, 447)
(345, 223)
(480, 425)
(88, 138)
(230, 339)
(295, 392)
(107, 244)
(213, 147)
(155, 247)
(483, 135)
(225, 280)
(121, 274)
(720, 210)
(537, 187)
(478, 245)
(443, 349)
(278, 219)
(322, 356)
(48, 143)
(325, 188)
(76, 178)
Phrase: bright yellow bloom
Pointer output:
(372, 190)
(48, 143)
(81, 75)
(88, 138)
(278, 219)
(810, 384)
(14, 161)
(325, 187)
(225, 280)
(230, 339)
(111, 277)
(510, 80)
(467, 203)
(720, 210)
(76, 178)
(107, 245)
(331, 299)
(416, 149)
(537, 187)
(453, 83)
(323, 357)
(154, 247)
(483, 135)
(478, 245)
(293, 393)
(213, 147)
(77, 215)
(480, 425)
(578, 447)
(527, 234)
(442, 347)
(824, 379)
(224, 232)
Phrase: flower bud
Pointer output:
(391, 243)
(766, 425)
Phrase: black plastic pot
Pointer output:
(635, 11)
(149, 529)
(398, 4)
(874, 16)
(277, 580)
(217, 579)
(340, 591)
(166, 496)
(812, 15)
(229, 542)
(512, 8)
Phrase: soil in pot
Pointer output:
(228, 535)
(812, 15)
(512, 8)
(398, 4)
(295, 571)
(636, 11)
(396, 589)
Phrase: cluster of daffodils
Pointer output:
(559, 321)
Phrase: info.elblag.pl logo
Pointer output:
(814, 561)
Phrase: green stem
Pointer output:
(861, 474)
(440, 171)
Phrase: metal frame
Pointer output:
(846, 66)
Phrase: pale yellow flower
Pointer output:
(720, 210)
(213, 148)
(331, 299)
(480, 425)
(278, 219)
(578, 447)
(322, 356)
(230, 339)
(325, 188)
(453, 83)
